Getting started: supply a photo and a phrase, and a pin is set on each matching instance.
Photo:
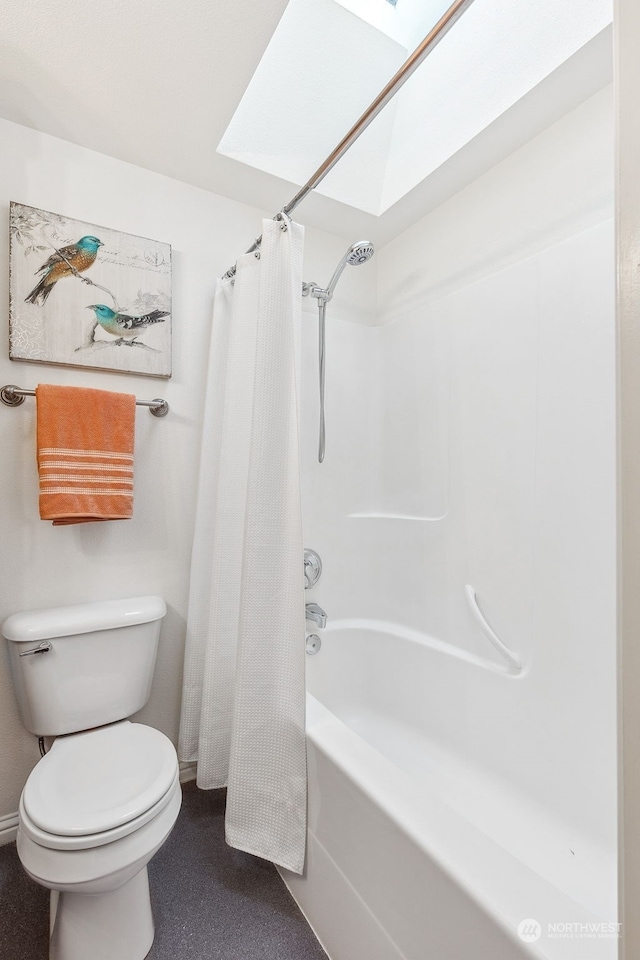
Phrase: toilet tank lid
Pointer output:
(82, 618)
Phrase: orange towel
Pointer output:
(85, 454)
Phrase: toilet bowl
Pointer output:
(92, 814)
(103, 800)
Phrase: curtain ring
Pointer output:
(284, 221)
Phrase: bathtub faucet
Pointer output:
(315, 613)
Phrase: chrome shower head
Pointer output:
(357, 253)
(360, 252)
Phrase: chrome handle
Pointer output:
(44, 647)
(312, 568)
(315, 613)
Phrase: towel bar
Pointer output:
(13, 396)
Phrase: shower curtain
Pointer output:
(243, 709)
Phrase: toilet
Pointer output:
(104, 798)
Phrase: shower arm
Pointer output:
(322, 294)
(313, 290)
(408, 68)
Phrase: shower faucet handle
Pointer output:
(312, 568)
(316, 614)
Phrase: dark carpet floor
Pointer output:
(210, 902)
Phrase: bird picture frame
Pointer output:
(83, 295)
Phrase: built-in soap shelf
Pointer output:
(394, 516)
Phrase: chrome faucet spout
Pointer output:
(316, 614)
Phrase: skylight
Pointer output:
(406, 22)
(328, 59)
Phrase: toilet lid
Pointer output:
(94, 781)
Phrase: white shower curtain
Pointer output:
(243, 709)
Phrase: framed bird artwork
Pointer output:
(87, 296)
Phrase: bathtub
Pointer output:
(415, 854)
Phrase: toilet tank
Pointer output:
(95, 666)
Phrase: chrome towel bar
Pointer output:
(13, 396)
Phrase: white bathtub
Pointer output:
(413, 852)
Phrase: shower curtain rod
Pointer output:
(409, 67)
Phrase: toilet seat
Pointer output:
(97, 786)
(55, 842)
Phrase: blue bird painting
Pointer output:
(124, 279)
(66, 262)
(127, 328)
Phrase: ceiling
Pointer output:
(156, 83)
(309, 88)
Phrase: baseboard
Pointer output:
(8, 828)
(188, 771)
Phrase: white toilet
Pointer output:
(105, 797)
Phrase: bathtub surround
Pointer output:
(472, 443)
(412, 843)
(244, 678)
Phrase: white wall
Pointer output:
(46, 566)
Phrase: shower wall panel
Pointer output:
(471, 441)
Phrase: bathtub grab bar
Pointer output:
(512, 658)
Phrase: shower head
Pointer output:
(358, 253)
